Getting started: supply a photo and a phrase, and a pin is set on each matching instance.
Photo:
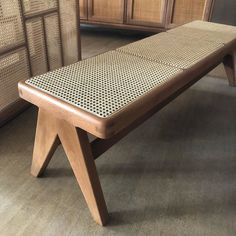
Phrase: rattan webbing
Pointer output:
(172, 49)
(186, 11)
(37, 47)
(52, 35)
(104, 84)
(11, 25)
(35, 6)
(13, 64)
(53, 41)
(206, 31)
(13, 68)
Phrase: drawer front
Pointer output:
(147, 12)
(184, 11)
(83, 9)
(106, 11)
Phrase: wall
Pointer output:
(224, 11)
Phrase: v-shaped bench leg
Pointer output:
(45, 144)
(230, 68)
(78, 150)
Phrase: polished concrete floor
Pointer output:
(175, 175)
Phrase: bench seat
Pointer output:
(104, 84)
(174, 50)
(100, 94)
(208, 31)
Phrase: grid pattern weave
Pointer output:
(207, 31)
(104, 84)
(173, 50)
(13, 68)
(35, 6)
(37, 47)
(69, 28)
(11, 26)
(187, 10)
(53, 41)
(215, 27)
(107, 83)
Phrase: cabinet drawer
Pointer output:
(83, 9)
(147, 12)
(106, 11)
(184, 11)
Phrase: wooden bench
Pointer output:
(111, 94)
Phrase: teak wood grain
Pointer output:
(46, 142)
(78, 150)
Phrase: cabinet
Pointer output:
(148, 12)
(35, 37)
(106, 10)
(83, 9)
(184, 11)
(149, 15)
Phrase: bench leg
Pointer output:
(230, 68)
(78, 150)
(46, 143)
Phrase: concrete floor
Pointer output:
(173, 176)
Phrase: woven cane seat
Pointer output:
(207, 31)
(104, 84)
(171, 49)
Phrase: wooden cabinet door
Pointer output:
(184, 11)
(83, 9)
(147, 12)
(106, 10)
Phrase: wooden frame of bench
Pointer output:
(60, 122)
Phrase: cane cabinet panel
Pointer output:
(147, 12)
(106, 10)
(184, 11)
(83, 9)
(35, 36)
